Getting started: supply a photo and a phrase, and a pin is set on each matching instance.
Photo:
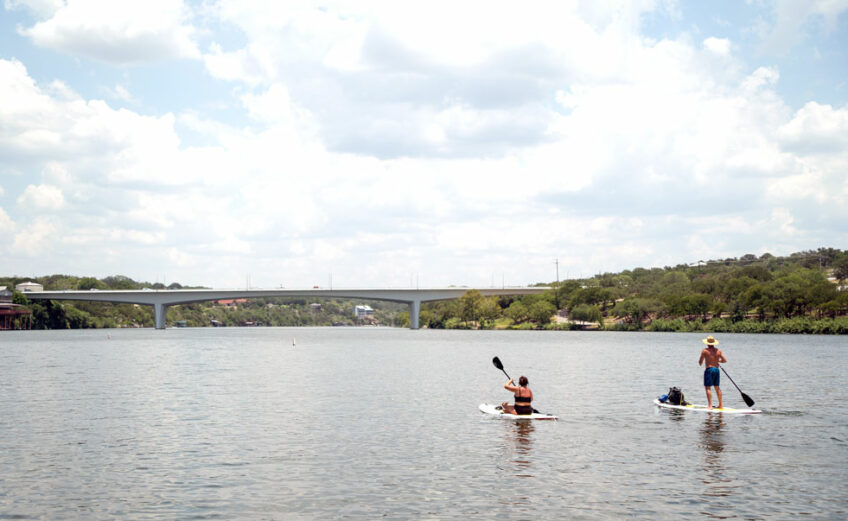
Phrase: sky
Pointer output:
(234, 143)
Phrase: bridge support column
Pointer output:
(159, 312)
(414, 313)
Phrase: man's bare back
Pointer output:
(712, 356)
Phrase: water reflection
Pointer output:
(715, 475)
(521, 440)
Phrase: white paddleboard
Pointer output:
(495, 410)
(703, 408)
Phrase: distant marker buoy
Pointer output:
(293, 342)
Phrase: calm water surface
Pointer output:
(361, 423)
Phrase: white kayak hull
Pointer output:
(494, 410)
(703, 408)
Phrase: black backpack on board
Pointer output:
(675, 396)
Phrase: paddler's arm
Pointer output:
(510, 387)
(721, 357)
(701, 360)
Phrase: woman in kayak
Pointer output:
(523, 397)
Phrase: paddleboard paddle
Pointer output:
(748, 400)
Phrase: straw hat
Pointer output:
(710, 341)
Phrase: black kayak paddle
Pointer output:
(499, 365)
(745, 397)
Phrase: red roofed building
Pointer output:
(231, 302)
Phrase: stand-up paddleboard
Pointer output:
(495, 410)
(703, 408)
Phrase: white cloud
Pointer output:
(56, 174)
(42, 197)
(43, 8)
(761, 77)
(7, 226)
(817, 128)
(792, 19)
(118, 32)
(379, 83)
(52, 123)
(36, 237)
(251, 65)
(119, 92)
(719, 46)
(782, 221)
(275, 107)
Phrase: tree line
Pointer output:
(801, 293)
(804, 292)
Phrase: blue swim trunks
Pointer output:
(711, 377)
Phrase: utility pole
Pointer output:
(556, 290)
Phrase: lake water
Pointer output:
(365, 423)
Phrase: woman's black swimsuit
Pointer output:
(523, 409)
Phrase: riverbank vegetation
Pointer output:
(801, 293)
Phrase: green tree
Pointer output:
(564, 291)
(469, 306)
(541, 312)
(490, 310)
(757, 272)
(592, 295)
(636, 310)
(120, 282)
(698, 304)
(517, 312)
(19, 298)
(87, 283)
(737, 286)
(586, 313)
(840, 268)
(708, 284)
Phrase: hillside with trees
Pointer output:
(801, 293)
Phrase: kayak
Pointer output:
(703, 408)
(495, 410)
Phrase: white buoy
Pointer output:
(293, 342)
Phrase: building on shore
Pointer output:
(13, 316)
(28, 287)
(363, 311)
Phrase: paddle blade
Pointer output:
(748, 401)
(497, 362)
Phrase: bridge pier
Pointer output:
(414, 313)
(159, 312)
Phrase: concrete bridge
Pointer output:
(161, 299)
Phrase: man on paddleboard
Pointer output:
(523, 397)
(712, 356)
